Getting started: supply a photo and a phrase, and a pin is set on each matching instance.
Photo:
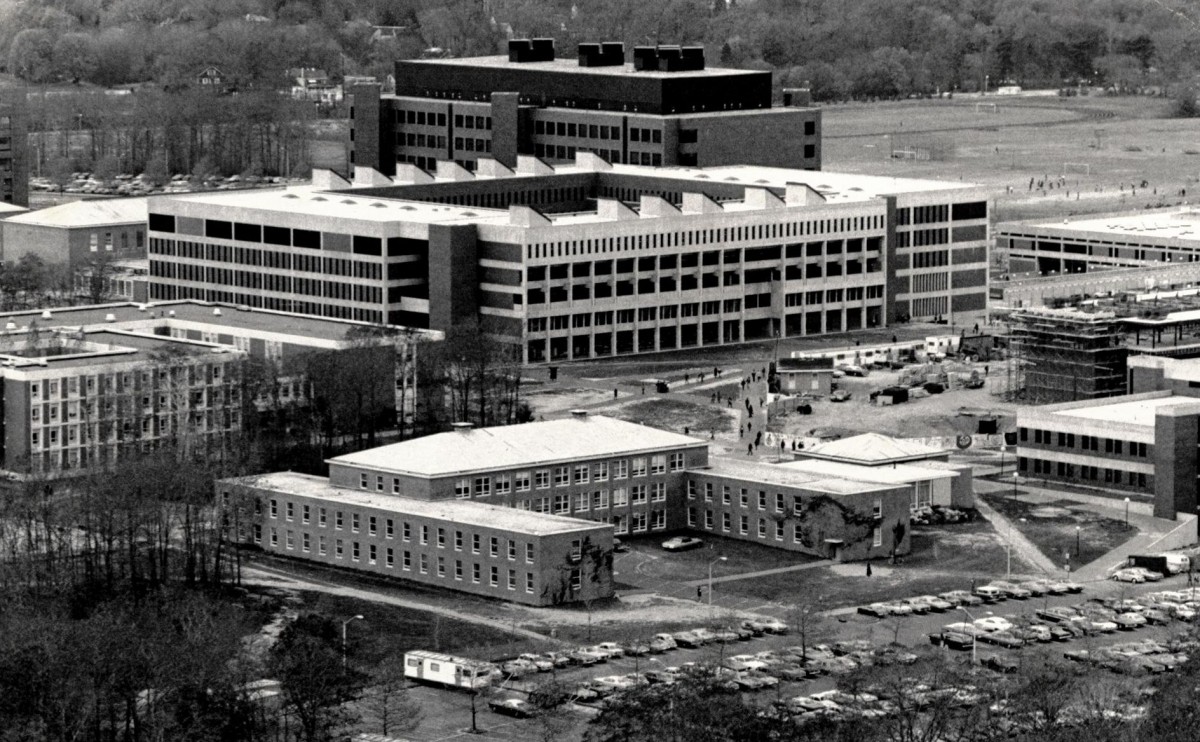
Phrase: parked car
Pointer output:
(610, 649)
(1129, 575)
(590, 654)
(682, 543)
(1004, 639)
(1033, 633)
(993, 623)
(841, 395)
(1129, 620)
(935, 603)
(960, 597)
(661, 677)
(619, 546)
(1149, 574)
(1000, 663)
(989, 593)
(517, 707)
(1012, 590)
(1057, 614)
(637, 649)
(540, 661)
(662, 643)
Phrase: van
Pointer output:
(1177, 562)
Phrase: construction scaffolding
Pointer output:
(1064, 355)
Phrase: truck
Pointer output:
(448, 671)
(1165, 564)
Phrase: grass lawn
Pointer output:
(1051, 526)
(670, 413)
(656, 566)
(388, 630)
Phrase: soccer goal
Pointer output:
(981, 107)
(1080, 168)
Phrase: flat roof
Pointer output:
(835, 187)
(897, 474)
(791, 477)
(570, 66)
(92, 212)
(166, 313)
(1178, 224)
(464, 512)
(512, 446)
(1139, 412)
(342, 203)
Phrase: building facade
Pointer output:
(1085, 244)
(666, 108)
(89, 235)
(1141, 444)
(14, 149)
(587, 261)
(471, 547)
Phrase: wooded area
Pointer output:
(846, 48)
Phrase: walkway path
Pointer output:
(1007, 533)
(760, 573)
(265, 576)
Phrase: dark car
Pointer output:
(1000, 664)
(1001, 639)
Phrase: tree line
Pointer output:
(845, 48)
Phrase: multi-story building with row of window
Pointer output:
(587, 261)
(457, 509)
(666, 108)
(83, 385)
(14, 130)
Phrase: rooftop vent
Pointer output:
(171, 313)
(579, 414)
(608, 54)
(46, 314)
(216, 311)
(462, 427)
(668, 58)
(11, 326)
(110, 317)
(531, 50)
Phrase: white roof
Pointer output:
(1139, 412)
(872, 448)
(1181, 224)
(465, 512)
(896, 474)
(789, 476)
(511, 446)
(8, 210)
(87, 213)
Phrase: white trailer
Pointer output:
(447, 670)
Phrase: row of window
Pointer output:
(718, 236)
(160, 291)
(1082, 472)
(1092, 443)
(421, 563)
(765, 527)
(199, 374)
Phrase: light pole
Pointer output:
(1008, 567)
(1016, 480)
(1077, 530)
(344, 625)
(1126, 511)
(1003, 450)
(971, 619)
(710, 566)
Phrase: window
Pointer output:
(691, 489)
(529, 553)
(541, 479)
(600, 499)
(620, 469)
(762, 527)
(378, 483)
(462, 488)
(658, 520)
(321, 515)
(354, 522)
(274, 508)
(305, 512)
(458, 570)
(562, 476)
(441, 538)
(744, 525)
(639, 467)
(424, 564)
(362, 480)
(371, 553)
(371, 525)
(744, 498)
(355, 551)
(658, 464)
(483, 486)
(583, 502)
(521, 481)
(291, 539)
(406, 561)
(638, 494)
(458, 540)
(922, 494)
(877, 537)
(512, 550)
(708, 491)
(494, 579)
(620, 497)
(778, 530)
(726, 494)
(512, 579)
(503, 484)
(339, 548)
(676, 462)
(337, 519)
(658, 492)
(762, 500)
(600, 471)
(562, 504)
(407, 531)
(395, 485)
(529, 582)
(321, 545)
(494, 547)
(476, 539)
(778, 502)
(389, 528)
(877, 509)
(726, 522)
(691, 517)
(441, 566)
(708, 519)
(391, 558)
(582, 473)
(475, 573)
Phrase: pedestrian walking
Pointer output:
(614, 392)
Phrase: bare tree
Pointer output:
(385, 702)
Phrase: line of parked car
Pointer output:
(1145, 657)
(993, 592)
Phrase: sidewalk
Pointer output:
(1022, 546)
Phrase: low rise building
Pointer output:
(90, 235)
(1140, 444)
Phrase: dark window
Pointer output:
(218, 229)
(810, 128)
(367, 245)
(306, 238)
(973, 210)
(247, 232)
(277, 235)
(162, 223)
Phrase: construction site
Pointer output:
(1064, 355)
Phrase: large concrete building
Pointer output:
(14, 150)
(487, 495)
(1092, 243)
(666, 108)
(589, 260)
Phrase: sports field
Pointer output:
(1091, 154)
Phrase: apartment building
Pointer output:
(472, 547)
(588, 260)
(14, 161)
(665, 108)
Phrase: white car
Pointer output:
(1129, 575)
(962, 627)
(989, 593)
(749, 662)
(994, 623)
(609, 649)
(682, 543)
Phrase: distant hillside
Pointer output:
(845, 48)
